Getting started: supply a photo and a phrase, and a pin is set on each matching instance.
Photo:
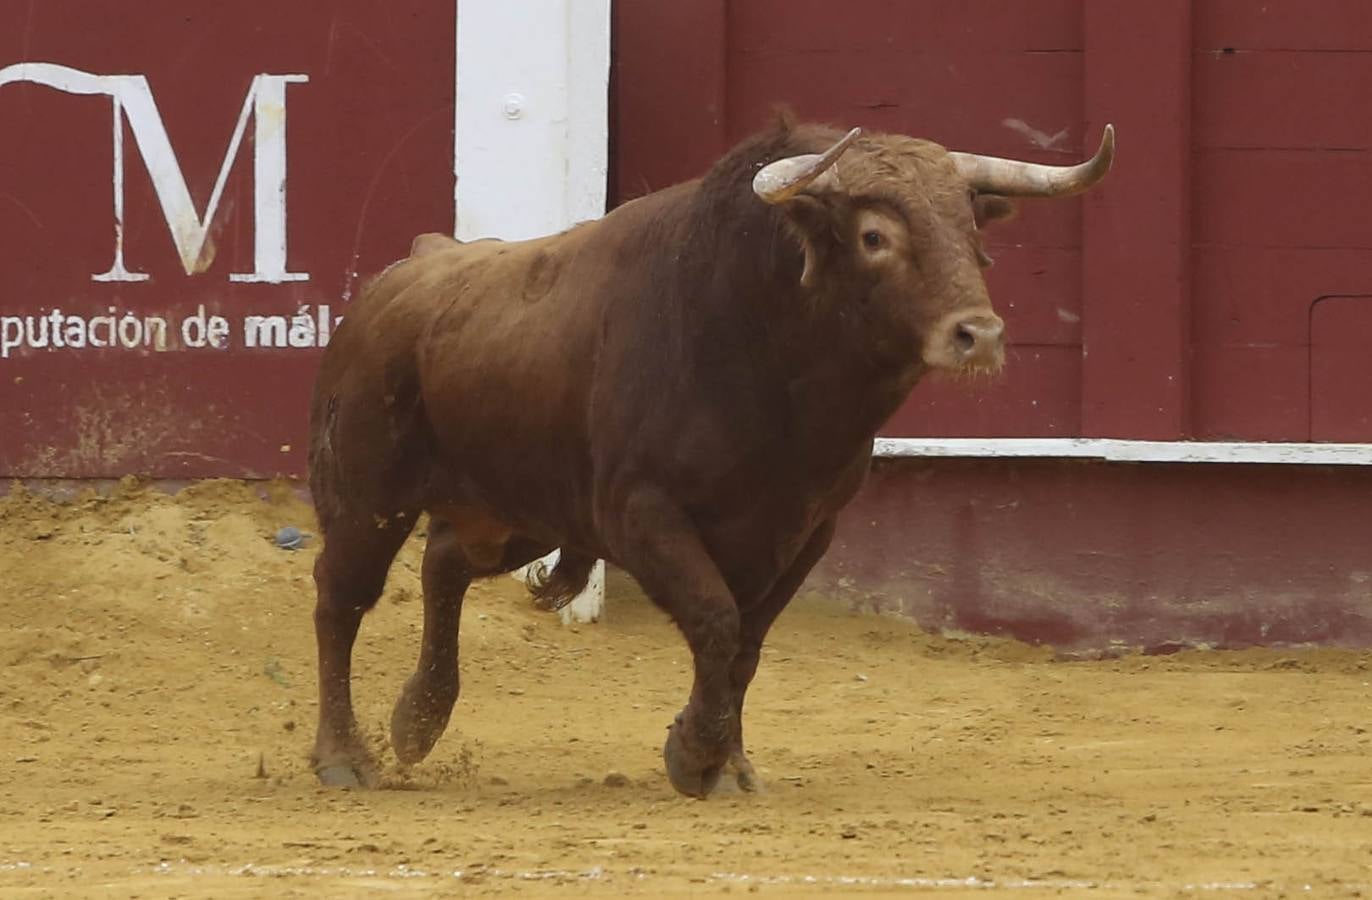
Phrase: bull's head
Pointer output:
(895, 222)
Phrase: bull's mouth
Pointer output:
(977, 371)
(974, 373)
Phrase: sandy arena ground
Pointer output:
(157, 704)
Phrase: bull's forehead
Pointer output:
(903, 169)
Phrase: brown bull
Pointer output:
(688, 387)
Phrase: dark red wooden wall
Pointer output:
(1218, 286)
(1282, 233)
(1215, 287)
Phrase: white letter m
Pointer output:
(132, 96)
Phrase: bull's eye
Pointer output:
(872, 240)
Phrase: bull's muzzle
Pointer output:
(967, 342)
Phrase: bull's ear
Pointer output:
(813, 222)
(989, 208)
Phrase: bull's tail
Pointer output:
(555, 587)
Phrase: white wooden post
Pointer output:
(532, 139)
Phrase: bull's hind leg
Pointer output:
(452, 557)
(349, 576)
(422, 710)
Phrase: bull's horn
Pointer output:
(1014, 178)
(779, 181)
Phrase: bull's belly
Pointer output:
(536, 496)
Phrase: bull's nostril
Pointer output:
(964, 339)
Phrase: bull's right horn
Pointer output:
(1014, 178)
(779, 181)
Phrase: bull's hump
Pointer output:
(432, 242)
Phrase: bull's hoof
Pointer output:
(340, 776)
(344, 764)
(744, 773)
(688, 773)
(418, 721)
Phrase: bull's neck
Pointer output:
(846, 372)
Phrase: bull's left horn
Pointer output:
(1014, 178)
(779, 181)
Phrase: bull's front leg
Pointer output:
(659, 546)
(755, 621)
